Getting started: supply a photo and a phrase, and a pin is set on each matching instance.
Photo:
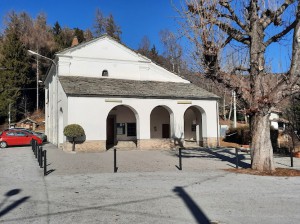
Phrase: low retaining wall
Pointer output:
(143, 144)
(87, 146)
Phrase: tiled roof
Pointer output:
(87, 86)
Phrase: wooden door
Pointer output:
(110, 130)
(165, 130)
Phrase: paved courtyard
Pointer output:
(148, 188)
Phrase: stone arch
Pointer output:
(122, 127)
(195, 130)
(161, 122)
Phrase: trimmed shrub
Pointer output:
(73, 131)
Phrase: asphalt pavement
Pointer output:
(148, 188)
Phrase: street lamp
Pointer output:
(56, 70)
(37, 74)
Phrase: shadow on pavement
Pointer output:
(13, 205)
(192, 206)
(222, 154)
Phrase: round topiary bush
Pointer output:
(73, 131)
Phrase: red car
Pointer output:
(17, 137)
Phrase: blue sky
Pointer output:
(136, 17)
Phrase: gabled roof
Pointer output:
(27, 120)
(106, 87)
(104, 36)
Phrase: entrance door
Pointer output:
(110, 130)
(165, 130)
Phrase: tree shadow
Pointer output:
(192, 206)
(12, 206)
(222, 154)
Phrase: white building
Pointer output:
(122, 98)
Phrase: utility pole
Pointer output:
(234, 109)
(9, 105)
(37, 82)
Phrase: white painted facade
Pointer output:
(90, 60)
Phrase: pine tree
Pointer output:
(15, 71)
(112, 29)
(79, 34)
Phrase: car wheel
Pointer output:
(3, 144)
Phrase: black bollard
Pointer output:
(32, 146)
(41, 157)
(45, 162)
(236, 158)
(115, 160)
(292, 159)
(180, 159)
(35, 149)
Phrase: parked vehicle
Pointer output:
(17, 137)
(38, 134)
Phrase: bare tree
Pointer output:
(173, 50)
(254, 25)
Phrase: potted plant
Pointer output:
(73, 131)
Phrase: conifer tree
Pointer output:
(15, 70)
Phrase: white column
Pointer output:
(143, 125)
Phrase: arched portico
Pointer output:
(161, 122)
(195, 126)
(122, 127)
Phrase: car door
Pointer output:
(10, 138)
(23, 138)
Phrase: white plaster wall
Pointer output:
(120, 62)
(274, 124)
(91, 113)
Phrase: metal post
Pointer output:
(115, 160)
(236, 158)
(292, 160)
(45, 162)
(37, 82)
(41, 156)
(35, 149)
(180, 159)
(234, 109)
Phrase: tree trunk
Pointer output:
(261, 143)
(73, 145)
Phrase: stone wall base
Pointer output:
(126, 145)
(87, 146)
(210, 142)
(143, 144)
(152, 144)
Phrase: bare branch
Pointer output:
(234, 33)
(240, 68)
(276, 37)
(232, 15)
(269, 17)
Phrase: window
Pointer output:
(10, 133)
(19, 133)
(193, 127)
(104, 73)
(131, 129)
(120, 128)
